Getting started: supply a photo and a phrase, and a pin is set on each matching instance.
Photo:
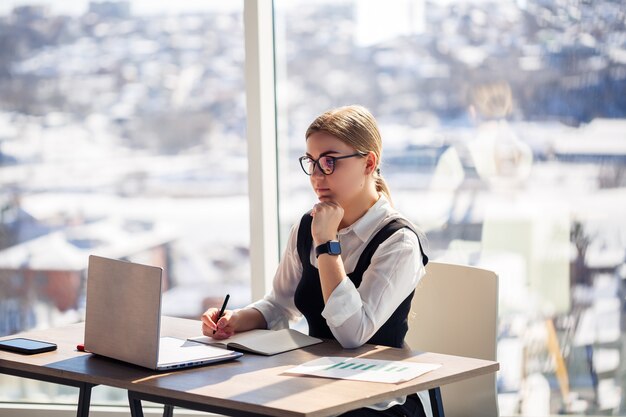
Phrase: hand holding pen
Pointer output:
(221, 313)
(219, 324)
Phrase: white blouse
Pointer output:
(353, 314)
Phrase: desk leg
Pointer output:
(84, 399)
(436, 402)
(136, 410)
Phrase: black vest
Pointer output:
(309, 300)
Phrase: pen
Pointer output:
(221, 311)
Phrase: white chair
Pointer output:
(454, 311)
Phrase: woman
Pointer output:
(352, 263)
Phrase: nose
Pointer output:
(317, 171)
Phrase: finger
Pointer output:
(206, 330)
(207, 317)
(224, 325)
(317, 209)
(327, 206)
(208, 325)
(220, 335)
(224, 321)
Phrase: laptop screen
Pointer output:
(123, 310)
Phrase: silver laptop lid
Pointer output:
(123, 314)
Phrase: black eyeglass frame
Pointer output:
(316, 162)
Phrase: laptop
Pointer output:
(123, 319)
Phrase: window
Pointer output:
(502, 125)
(122, 133)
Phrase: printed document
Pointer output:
(361, 369)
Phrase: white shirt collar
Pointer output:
(370, 221)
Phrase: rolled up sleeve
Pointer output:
(343, 303)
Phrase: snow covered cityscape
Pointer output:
(123, 133)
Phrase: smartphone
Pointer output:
(26, 346)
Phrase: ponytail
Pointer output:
(381, 185)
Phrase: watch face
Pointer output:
(334, 248)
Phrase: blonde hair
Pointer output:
(355, 126)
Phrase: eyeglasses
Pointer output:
(325, 163)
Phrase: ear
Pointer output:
(371, 162)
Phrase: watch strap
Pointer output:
(328, 248)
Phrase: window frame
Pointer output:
(262, 143)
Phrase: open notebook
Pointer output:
(263, 342)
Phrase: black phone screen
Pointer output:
(28, 346)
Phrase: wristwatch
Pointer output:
(332, 247)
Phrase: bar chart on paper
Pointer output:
(359, 369)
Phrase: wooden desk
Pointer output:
(251, 385)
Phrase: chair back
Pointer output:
(454, 311)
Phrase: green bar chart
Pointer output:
(362, 369)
